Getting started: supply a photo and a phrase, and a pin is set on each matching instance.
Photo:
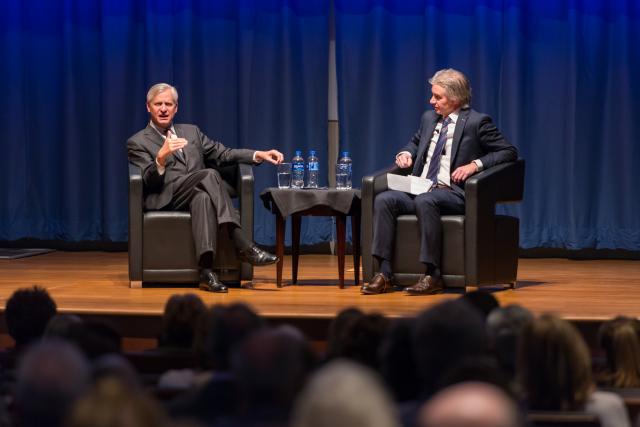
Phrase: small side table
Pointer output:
(298, 202)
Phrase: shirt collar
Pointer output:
(157, 129)
(453, 117)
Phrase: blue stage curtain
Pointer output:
(560, 77)
(251, 73)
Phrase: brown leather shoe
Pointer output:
(427, 285)
(378, 285)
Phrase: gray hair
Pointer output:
(455, 84)
(161, 87)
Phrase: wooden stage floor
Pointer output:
(95, 283)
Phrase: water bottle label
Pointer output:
(298, 167)
(314, 166)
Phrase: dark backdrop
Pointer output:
(560, 77)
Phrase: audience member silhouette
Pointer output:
(344, 394)
(180, 320)
(619, 338)
(27, 313)
(504, 328)
(337, 333)
(470, 404)
(270, 368)
(397, 364)
(554, 368)
(51, 376)
(112, 403)
(484, 301)
(361, 338)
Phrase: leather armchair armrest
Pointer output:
(245, 188)
(135, 223)
(499, 184)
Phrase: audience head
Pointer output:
(222, 328)
(27, 313)
(180, 319)
(485, 302)
(504, 328)
(337, 336)
(397, 364)
(95, 339)
(50, 377)
(554, 365)
(270, 368)
(344, 394)
(470, 404)
(111, 403)
(61, 325)
(619, 338)
(444, 335)
(361, 339)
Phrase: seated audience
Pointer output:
(397, 364)
(336, 335)
(179, 321)
(554, 368)
(60, 326)
(361, 338)
(470, 404)
(221, 330)
(504, 328)
(112, 403)
(51, 376)
(27, 313)
(344, 394)
(484, 301)
(270, 369)
(619, 338)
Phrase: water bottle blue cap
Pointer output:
(312, 152)
(298, 152)
(345, 154)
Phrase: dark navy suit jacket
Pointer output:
(475, 137)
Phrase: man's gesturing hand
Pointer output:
(271, 156)
(171, 144)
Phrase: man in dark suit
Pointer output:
(453, 143)
(173, 160)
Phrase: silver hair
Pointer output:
(161, 87)
(455, 84)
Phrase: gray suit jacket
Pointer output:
(475, 137)
(200, 152)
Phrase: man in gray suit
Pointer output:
(453, 143)
(173, 160)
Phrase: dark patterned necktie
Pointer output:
(178, 153)
(434, 165)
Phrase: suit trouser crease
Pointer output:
(428, 207)
(203, 194)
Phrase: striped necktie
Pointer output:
(434, 165)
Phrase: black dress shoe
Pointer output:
(209, 282)
(256, 256)
(378, 285)
(427, 285)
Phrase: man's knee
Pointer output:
(385, 201)
(426, 202)
(200, 198)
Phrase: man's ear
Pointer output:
(148, 109)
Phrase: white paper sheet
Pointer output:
(409, 184)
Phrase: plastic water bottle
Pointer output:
(313, 168)
(297, 170)
(343, 172)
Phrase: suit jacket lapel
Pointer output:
(457, 134)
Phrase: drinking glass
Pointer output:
(284, 175)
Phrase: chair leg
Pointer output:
(135, 284)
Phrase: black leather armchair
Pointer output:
(161, 248)
(479, 248)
